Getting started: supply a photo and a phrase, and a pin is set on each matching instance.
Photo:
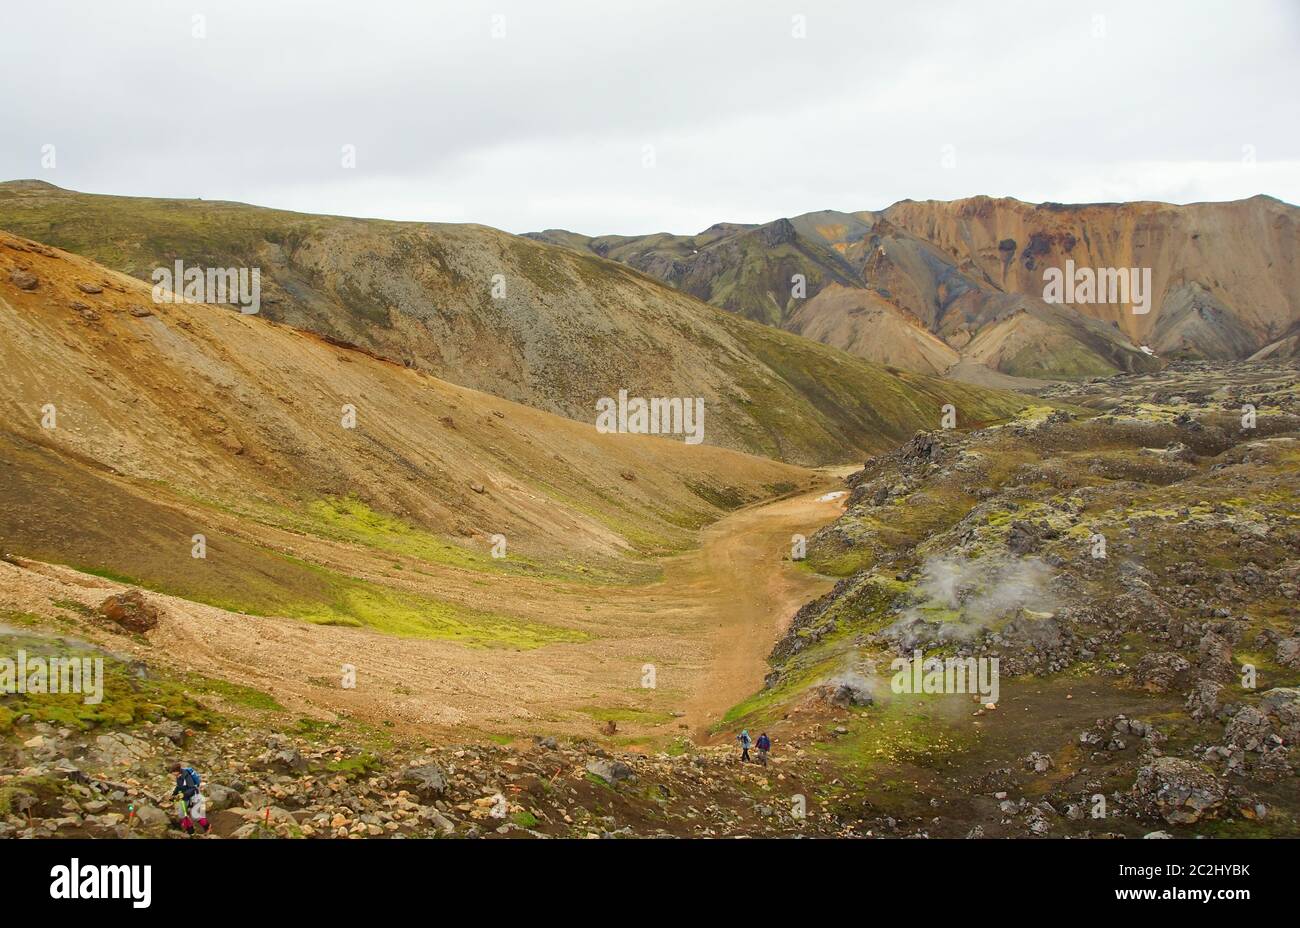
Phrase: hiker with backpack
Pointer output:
(191, 807)
(745, 742)
(764, 744)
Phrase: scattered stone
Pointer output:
(1038, 762)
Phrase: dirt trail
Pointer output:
(707, 627)
(743, 570)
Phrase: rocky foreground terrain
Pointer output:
(71, 770)
(1130, 554)
(1132, 559)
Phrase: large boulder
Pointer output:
(1023, 538)
(1038, 762)
(1288, 652)
(1179, 791)
(1029, 632)
(427, 780)
(1161, 671)
(1282, 706)
(846, 690)
(908, 634)
(921, 447)
(290, 760)
(151, 817)
(1203, 700)
(23, 280)
(1248, 729)
(431, 816)
(118, 750)
(611, 771)
(221, 797)
(1215, 654)
(131, 611)
(171, 730)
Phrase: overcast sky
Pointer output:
(658, 115)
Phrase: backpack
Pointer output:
(193, 776)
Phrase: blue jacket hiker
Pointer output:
(192, 807)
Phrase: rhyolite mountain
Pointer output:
(1225, 278)
(549, 327)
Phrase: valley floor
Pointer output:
(675, 654)
(1152, 689)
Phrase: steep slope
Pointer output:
(1241, 253)
(747, 270)
(478, 563)
(549, 327)
(1026, 337)
(1287, 347)
(130, 426)
(863, 323)
(1194, 323)
(1224, 275)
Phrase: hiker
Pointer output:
(745, 742)
(191, 807)
(764, 744)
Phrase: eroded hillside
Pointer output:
(1224, 279)
(543, 326)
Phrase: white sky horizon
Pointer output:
(618, 119)
(684, 232)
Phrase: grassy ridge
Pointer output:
(65, 515)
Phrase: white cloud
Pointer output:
(546, 127)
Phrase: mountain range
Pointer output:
(552, 328)
(957, 287)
